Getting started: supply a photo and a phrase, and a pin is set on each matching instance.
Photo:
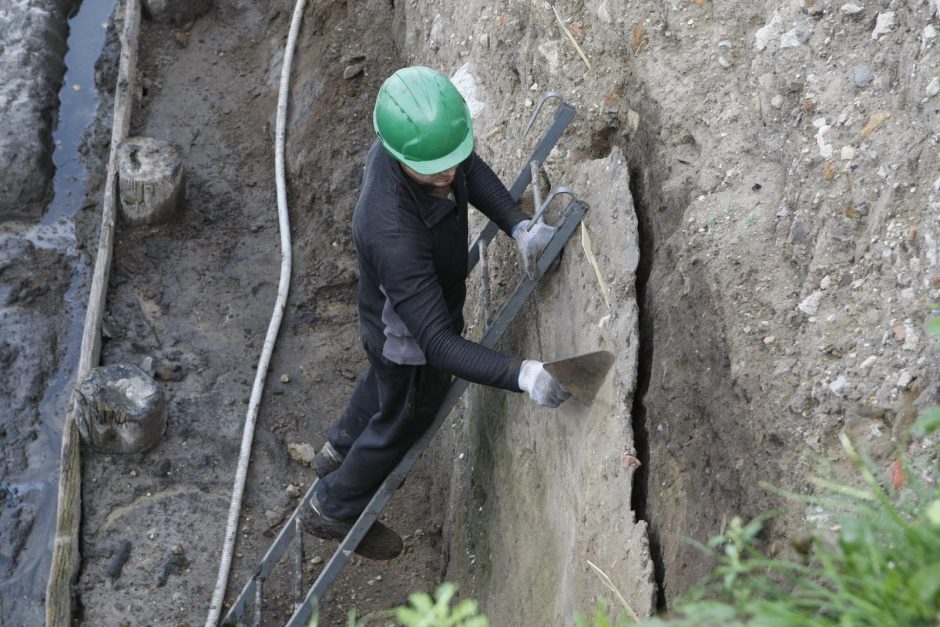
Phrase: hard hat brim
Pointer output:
(455, 158)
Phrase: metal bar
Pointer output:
(298, 565)
(552, 194)
(258, 601)
(484, 287)
(270, 559)
(572, 217)
(563, 117)
(536, 189)
(538, 109)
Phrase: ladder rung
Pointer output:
(536, 189)
(484, 287)
(298, 564)
(258, 601)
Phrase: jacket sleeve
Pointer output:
(403, 260)
(488, 194)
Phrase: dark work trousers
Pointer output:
(391, 407)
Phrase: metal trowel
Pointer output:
(582, 375)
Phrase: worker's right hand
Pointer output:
(541, 386)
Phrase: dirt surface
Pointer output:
(43, 270)
(195, 297)
(37, 309)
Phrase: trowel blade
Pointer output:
(582, 375)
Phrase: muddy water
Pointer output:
(43, 291)
(78, 101)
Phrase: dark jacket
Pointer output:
(412, 253)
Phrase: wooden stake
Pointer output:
(65, 555)
(151, 180)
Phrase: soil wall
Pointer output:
(32, 45)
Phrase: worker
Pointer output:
(410, 232)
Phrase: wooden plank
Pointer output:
(65, 555)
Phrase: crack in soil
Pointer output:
(640, 425)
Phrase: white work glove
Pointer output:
(531, 243)
(541, 386)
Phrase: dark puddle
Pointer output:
(78, 103)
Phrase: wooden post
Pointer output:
(150, 180)
(65, 556)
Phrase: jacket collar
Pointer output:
(431, 209)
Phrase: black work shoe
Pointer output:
(379, 543)
(327, 460)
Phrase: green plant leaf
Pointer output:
(408, 616)
(422, 602)
(463, 610)
(927, 583)
(928, 422)
(933, 513)
(933, 326)
(444, 593)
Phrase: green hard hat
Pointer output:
(423, 121)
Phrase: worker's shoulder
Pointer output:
(386, 201)
(382, 205)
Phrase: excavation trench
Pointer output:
(211, 89)
(762, 296)
(466, 511)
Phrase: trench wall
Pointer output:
(781, 158)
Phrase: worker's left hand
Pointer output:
(531, 242)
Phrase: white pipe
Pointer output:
(231, 529)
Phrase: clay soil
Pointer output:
(195, 296)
